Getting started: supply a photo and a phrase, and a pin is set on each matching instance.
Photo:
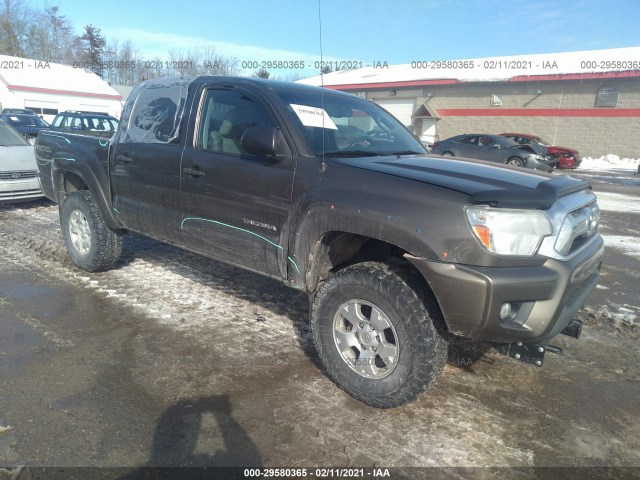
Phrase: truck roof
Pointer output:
(261, 83)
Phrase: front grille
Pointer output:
(578, 228)
(18, 194)
(18, 175)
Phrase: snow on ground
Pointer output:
(627, 314)
(617, 202)
(610, 162)
(629, 245)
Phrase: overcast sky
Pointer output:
(392, 31)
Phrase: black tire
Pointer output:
(447, 154)
(101, 248)
(515, 161)
(420, 346)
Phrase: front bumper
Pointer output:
(545, 165)
(17, 190)
(545, 297)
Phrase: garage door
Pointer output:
(401, 108)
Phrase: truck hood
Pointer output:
(484, 182)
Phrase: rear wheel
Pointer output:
(447, 154)
(515, 161)
(376, 337)
(91, 244)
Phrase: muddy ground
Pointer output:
(172, 359)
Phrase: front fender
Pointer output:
(321, 218)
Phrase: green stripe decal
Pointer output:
(119, 216)
(54, 135)
(242, 230)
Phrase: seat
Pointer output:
(227, 137)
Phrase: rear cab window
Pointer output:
(156, 114)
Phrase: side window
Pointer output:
(487, 141)
(224, 118)
(469, 140)
(156, 115)
(57, 121)
(70, 122)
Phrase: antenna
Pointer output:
(323, 165)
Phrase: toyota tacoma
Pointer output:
(399, 251)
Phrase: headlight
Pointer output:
(509, 232)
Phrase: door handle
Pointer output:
(124, 158)
(193, 172)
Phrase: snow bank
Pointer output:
(609, 162)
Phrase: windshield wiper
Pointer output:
(407, 152)
(354, 153)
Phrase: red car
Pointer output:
(567, 157)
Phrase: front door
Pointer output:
(236, 204)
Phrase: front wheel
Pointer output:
(447, 154)
(91, 244)
(376, 336)
(515, 161)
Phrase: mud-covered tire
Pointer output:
(90, 243)
(411, 318)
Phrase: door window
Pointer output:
(468, 140)
(224, 118)
(156, 114)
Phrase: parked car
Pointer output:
(27, 125)
(18, 167)
(566, 157)
(19, 111)
(397, 249)
(92, 123)
(493, 148)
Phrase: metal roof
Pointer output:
(611, 63)
(43, 77)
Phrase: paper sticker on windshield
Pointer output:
(313, 117)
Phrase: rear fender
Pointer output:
(89, 170)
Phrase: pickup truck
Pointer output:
(399, 251)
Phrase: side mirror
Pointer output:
(261, 141)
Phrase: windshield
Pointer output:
(9, 137)
(541, 141)
(343, 126)
(26, 121)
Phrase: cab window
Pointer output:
(224, 118)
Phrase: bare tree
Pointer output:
(13, 27)
(45, 34)
(262, 73)
(48, 37)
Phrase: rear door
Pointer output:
(467, 146)
(489, 148)
(236, 204)
(145, 162)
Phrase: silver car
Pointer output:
(18, 167)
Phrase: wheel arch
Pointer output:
(337, 250)
(67, 179)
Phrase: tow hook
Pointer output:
(574, 329)
(525, 352)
